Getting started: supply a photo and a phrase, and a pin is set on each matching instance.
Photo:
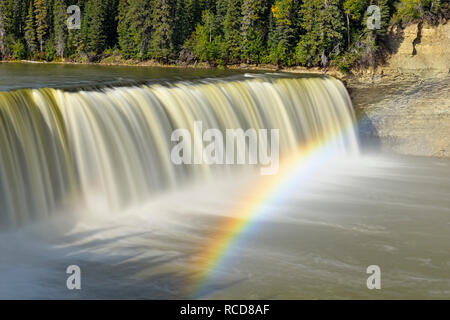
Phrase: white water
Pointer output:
(110, 149)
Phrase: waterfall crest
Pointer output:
(111, 147)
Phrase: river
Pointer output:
(86, 179)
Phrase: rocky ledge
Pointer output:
(404, 106)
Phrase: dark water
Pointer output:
(41, 75)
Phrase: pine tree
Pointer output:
(205, 46)
(182, 26)
(140, 14)
(92, 27)
(354, 11)
(281, 37)
(110, 27)
(385, 16)
(253, 29)
(75, 43)
(134, 28)
(17, 11)
(324, 25)
(10, 25)
(125, 39)
(161, 43)
(3, 26)
(231, 30)
(60, 29)
(30, 30)
(40, 10)
(221, 11)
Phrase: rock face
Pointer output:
(405, 106)
(419, 48)
(405, 115)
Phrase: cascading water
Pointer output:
(155, 229)
(110, 148)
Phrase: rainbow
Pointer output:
(297, 166)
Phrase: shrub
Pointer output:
(19, 51)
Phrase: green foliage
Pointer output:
(59, 26)
(134, 28)
(30, 30)
(161, 42)
(220, 32)
(205, 44)
(254, 28)
(19, 51)
(231, 31)
(408, 10)
(126, 41)
(355, 8)
(324, 26)
(281, 37)
(49, 54)
(40, 10)
(414, 10)
(3, 26)
(93, 27)
(253, 48)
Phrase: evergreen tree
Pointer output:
(140, 14)
(281, 38)
(161, 43)
(134, 28)
(184, 21)
(3, 26)
(30, 30)
(253, 29)
(125, 39)
(110, 20)
(205, 39)
(92, 27)
(385, 15)
(231, 31)
(324, 25)
(60, 28)
(354, 11)
(221, 11)
(17, 11)
(75, 45)
(40, 10)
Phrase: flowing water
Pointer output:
(86, 179)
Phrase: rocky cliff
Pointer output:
(405, 105)
(419, 48)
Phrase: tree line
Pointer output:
(220, 32)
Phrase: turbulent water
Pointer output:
(109, 149)
(86, 179)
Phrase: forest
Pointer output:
(219, 32)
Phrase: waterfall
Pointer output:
(111, 147)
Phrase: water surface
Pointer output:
(314, 239)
